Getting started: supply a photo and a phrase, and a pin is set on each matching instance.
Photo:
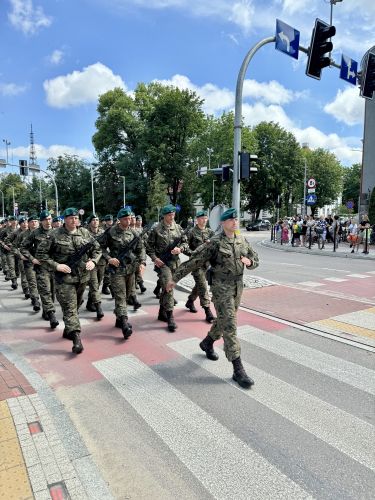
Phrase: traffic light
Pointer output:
(225, 173)
(246, 161)
(320, 46)
(23, 167)
(368, 77)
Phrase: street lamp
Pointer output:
(92, 189)
(123, 196)
(7, 143)
(305, 145)
(209, 151)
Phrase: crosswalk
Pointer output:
(334, 279)
(291, 436)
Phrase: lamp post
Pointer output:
(92, 189)
(7, 143)
(123, 196)
(209, 151)
(14, 202)
(304, 211)
(2, 199)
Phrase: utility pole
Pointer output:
(2, 199)
(123, 197)
(7, 143)
(92, 190)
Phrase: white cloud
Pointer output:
(243, 15)
(56, 57)
(10, 89)
(81, 87)
(259, 112)
(347, 107)
(27, 18)
(53, 151)
(271, 92)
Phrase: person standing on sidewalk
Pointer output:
(228, 253)
(199, 235)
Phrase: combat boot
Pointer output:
(240, 376)
(45, 316)
(36, 304)
(209, 316)
(67, 335)
(52, 319)
(162, 315)
(89, 305)
(142, 286)
(126, 328)
(14, 284)
(99, 311)
(105, 290)
(27, 293)
(156, 292)
(171, 322)
(77, 344)
(136, 304)
(190, 305)
(118, 324)
(207, 345)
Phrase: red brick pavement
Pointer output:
(12, 382)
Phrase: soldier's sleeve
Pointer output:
(252, 255)
(141, 252)
(96, 252)
(103, 241)
(183, 245)
(26, 245)
(197, 260)
(150, 244)
(44, 252)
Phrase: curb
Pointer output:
(304, 250)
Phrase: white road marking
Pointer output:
(362, 276)
(310, 283)
(336, 280)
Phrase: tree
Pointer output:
(157, 196)
(10, 184)
(352, 184)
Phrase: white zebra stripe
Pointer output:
(339, 369)
(343, 431)
(196, 438)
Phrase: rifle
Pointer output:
(73, 261)
(126, 255)
(166, 256)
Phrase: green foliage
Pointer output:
(157, 197)
(371, 208)
(9, 184)
(352, 184)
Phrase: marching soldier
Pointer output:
(44, 276)
(113, 242)
(15, 240)
(197, 236)
(33, 223)
(228, 254)
(96, 275)
(7, 239)
(62, 246)
(138, 277)
(108, 223)
(56, 222)
(165, 242)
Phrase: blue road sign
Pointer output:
(348, 70)
(311, 199)
(287, 39)
(350, 204)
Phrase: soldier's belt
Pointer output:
(228, 279)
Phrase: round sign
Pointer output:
(81, 211)
(311, 183)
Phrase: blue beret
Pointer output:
(91, 217)
(70, 211)
(167, 209)
(44, 214)
(231, 213)
(201, 213)
(108, 217)
(124, 212)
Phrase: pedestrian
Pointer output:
(200, 234)
(62, 247)
(228, 253)
(285, 232)
(164, 244)
(114, 242)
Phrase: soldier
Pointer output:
(165, 242)
(60, 248)
(44, 275)
(197, 236)
(138, 277)
(33, 223)
(228, 254)
(113, 243)
(97, 274)
(108, 223)
(15, 241)
(56, 222)
(7, 238)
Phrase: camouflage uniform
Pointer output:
(15, 241)
(28, 268)
(8, 239)
(159, 238)
(197, 237)
(122, 278)
(56, 249)
(97, 274)
(224, 255)
(3, 251)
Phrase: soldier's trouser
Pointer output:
(11, 261)
(46, 287)
(31, 280)
(131, 290)
(96, 278)
(120, 284)
(106, 277)
(200, 288)
(24, 283)
(70, 297)
(226, 298)
(4, 263)
(165, 274)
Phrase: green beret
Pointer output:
(44, 214)
(231, 213)
(167, 209)
(56, 219)
(201, 213)
(12, 217)
(70, 211)
(124, 212)
(32, 217)
(91, 217)
(108, 217)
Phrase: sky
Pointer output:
(58, 56)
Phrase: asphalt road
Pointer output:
(160, 421)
